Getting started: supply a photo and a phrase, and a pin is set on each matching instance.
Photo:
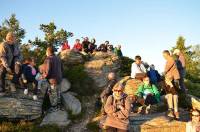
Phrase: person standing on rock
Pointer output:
(54, 76)
(10, 61)
(180, 63)
(171, 79)
(108, 90)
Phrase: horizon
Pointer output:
(141, 27)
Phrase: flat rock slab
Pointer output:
(19, 106)
(58, 117)
(158, 122)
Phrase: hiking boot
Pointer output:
(176, 115)
(170, 114)
(35, 97)
(25, 91)
(12, 88)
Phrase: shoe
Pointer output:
(12, 88)
(176, 115)
(35, 97)
(26, 91)
(170, 114)
(147, 111)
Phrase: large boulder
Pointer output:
(58, 117)
(70, 57)
(193, 102)
(131, 85)
(99, 65)
(19, 106)
(71, 103)
(65, 85)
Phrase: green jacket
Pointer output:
(143, 89)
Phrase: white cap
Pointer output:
(176, 51)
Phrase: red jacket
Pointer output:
(77, 46)
(65, 46)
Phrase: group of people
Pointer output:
(117, 105)
(89, 46)
(24, 71)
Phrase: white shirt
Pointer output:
(135, 68)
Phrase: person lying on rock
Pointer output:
(28, 76)
(172, 84)
(10, 55)
(138, 71)
(117, 108)
(108, 90)
(147, 94)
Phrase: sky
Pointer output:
(142, 27)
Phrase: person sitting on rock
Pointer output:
(29, 74)
(118, 51)
(110, 48)
(103, 47)
(108, 90)
(153, 75)
(65, 45)
(117, 108)
(92, 46)
(10, 55)
(40, 77)
(172, 87)
(147, 93)
(85, 44)
(138, 71)
(77, 45)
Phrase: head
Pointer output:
(77, 41)
(152, 66)
(138, 59)
(10, 38)
(106, 42)
(195, 116)
(41, 68)
(166, 54)
(111, 76)
(118, 90)
(86, 39)
(50, 51)
(176, 52)
(146, 80)
(93, 41)
(30, 61)
(119, 46)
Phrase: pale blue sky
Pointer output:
(144, 27)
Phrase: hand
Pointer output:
(18, 63)
(24, 81)
(9, 70)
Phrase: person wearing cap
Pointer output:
(108, 89)
(117, 108)
(10, 61)
(180, 63)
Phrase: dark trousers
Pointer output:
(2, 78)
(150, 100)
(35, 88)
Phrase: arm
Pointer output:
(169, 65)
(133, 71)
(124, 112)
(139, 92)
(156, 93)
(3, 56)
(109, 106)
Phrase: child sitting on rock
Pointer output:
(40, 77)
(147, 94)
(28, 76)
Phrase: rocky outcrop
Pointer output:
(59, 118)
(70, 57)
(193, 102)
(71, 103)
(65, 85)
(100, 65)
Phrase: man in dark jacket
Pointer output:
(54, 75)
(108, 89)
(85, 44)
(10, 57)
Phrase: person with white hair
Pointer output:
(180, 63)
